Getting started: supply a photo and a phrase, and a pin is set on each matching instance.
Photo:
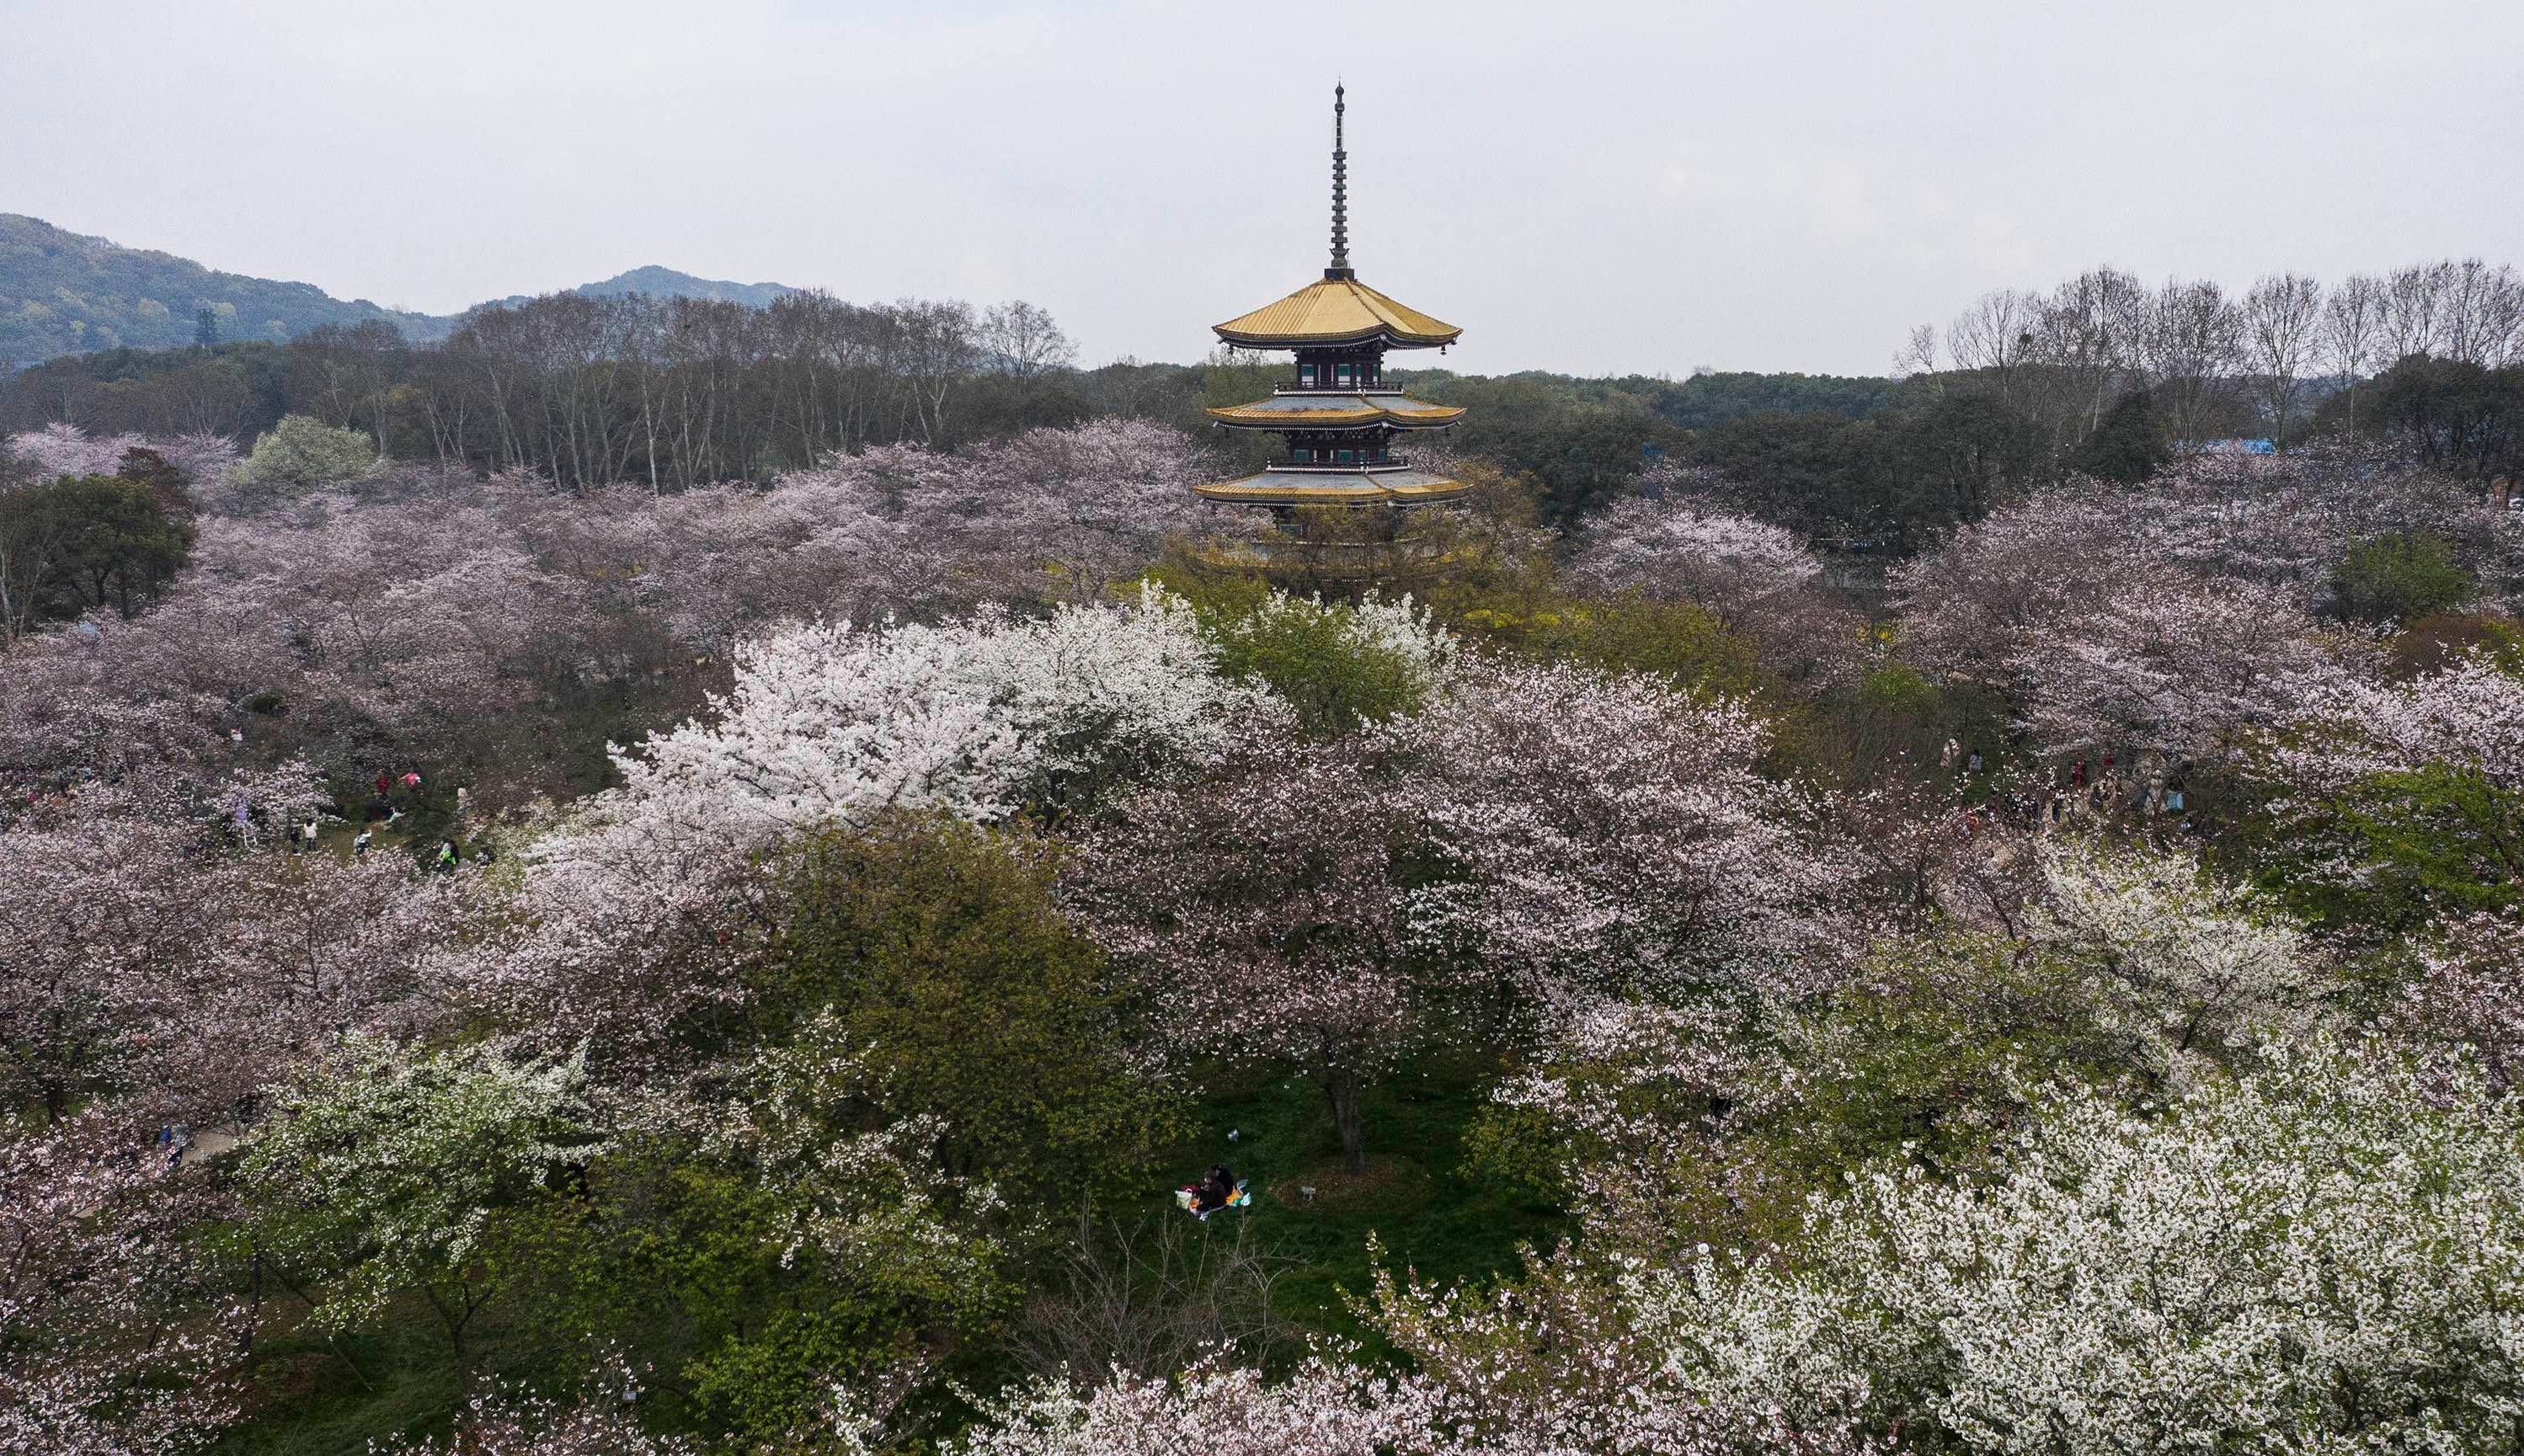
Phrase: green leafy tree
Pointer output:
(2437, 839)
(2130, 444)
(89, 542)
(772, 1235)
(384, 1173)
(935, 948)
(1961, 454)
(1583, 452)
(2398, 578)
(1679, 643)
(812, 1237)
(1338, 663)
(2461, 415)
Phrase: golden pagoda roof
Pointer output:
(1326, 410)
(1335, 311)
(1283, 486)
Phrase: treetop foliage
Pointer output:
(1979, 922)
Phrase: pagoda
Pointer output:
(1337, 415)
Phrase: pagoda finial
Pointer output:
(1341, 267)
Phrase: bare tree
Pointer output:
(1150, 1301)
(2414, 314)
(934, 347)
(2091, 334)
(2483, 314)
(2187, 340)
(2353, 330)
(2282, 320)
(1993, 337)
(1022, 340)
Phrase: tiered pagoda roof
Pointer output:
(1325, 410)
(1339, 419)
(1396, 485)
(1336, 311)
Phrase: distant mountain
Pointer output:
(65, 293)
(665, 283)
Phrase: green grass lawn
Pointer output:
(1419, 1201)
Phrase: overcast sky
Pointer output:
(1595, 188)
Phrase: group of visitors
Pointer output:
(1218, 1188)
(2096, 784)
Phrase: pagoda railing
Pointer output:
(1336, 467)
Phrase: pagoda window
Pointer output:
(1344, 376)
(1302, 456)
(1349, 457)
(1305, 377)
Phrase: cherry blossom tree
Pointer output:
(2283, 525)
(115, 1346)
(2470, 989)
(1677, 549)
(2009, 582)
(2206, 963)
(2169, 670)
(59, 450)
(383, 1169)
(1643, 1109)
(1265, 899)
(1538, 1373)
(1673, 542)
(304, 948)
(2102, 651)
(1326, 1408)
(1603, 836)
(2324, 1254)
(1081, 506)
(510, 1420)
(96, 932)
(2406, 795)
(2468, 716)
(712, 564)
(619, 937)
(980, 719)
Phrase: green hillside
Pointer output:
(65, 293)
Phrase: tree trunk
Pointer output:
(1342, 1087)
(456, 1317)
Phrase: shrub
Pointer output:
(2398, 578)
(300, 454)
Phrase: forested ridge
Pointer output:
(685, 876)
(66, 293)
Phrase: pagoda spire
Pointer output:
(1341, 267)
